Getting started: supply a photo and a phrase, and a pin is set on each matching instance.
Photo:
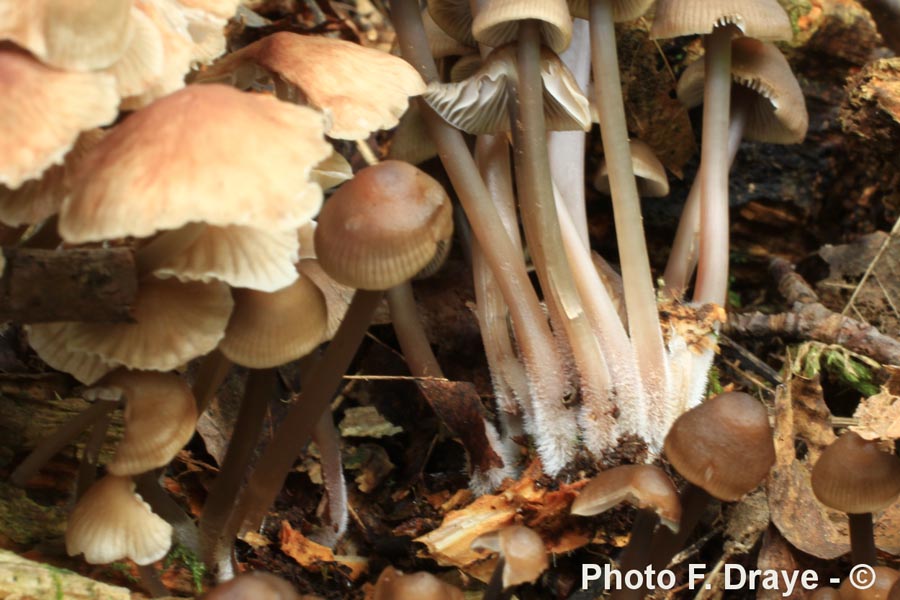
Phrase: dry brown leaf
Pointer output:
(775, 556)
(312, 556)
(879, 417)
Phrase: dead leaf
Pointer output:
(879, 417)
(313, 557)
(775, 555)
(255, 540)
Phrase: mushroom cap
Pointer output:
(443, 44)
(394, 585)
(523, 552)
(143, 60)
(75, 35)
(241, 256)
(455, 18)
(111, 522)
(777, 112)
(724, 445)
(411, 142)
(623, 10)
(760, 19)
(383, 226)
(480, 103)
(50, 109)
(270, 329)
(174, 162)
(337, 296)
(50, 341)
(643, 486)
(885, 578)
(497, 22)
(256, 585)
(361, 89)
(160, 417)
(854, 476)
(649, 172)
(174, 323)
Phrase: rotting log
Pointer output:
(24, 579)
(90, 285)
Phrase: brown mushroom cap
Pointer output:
(45, 112)
(160, 417)
(173, 163)
(760, 19)
(394, 585)
(455, 18)
(382, 227)
(643, 486)
(523, 552)
(825, 593)
(111, 522)
(497, 22)
(648, 170)
(854, 476)
(724, 445)
(623, 10)
(77, 35)
(441, 43)
(361, 89)
(778, 110)
(254, 586)
(885, 578)
(270, 329)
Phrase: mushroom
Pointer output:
(855, 477)
(394, 585)
(648, 171)
(112, 523)
(522, 557)
(256, 585)
(883, 580)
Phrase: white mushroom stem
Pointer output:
(567, 147)
(712, 263)
(541, 221)
(683, 257)
(327, 438)
(640, 297)
(216, 549)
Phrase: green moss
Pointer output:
(181, 556)
(24, 521)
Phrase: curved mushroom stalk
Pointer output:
(326, 437)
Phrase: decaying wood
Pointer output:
(40, 286)
(886, 14)
(23, 579)
(809, 319)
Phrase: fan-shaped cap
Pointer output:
(240, 256)
(254, 586)
(497, 22)
(760, 19)
(479, 104)
(394, 585)
(643, 486)
(47, 110)
(623, 10)
(361, 89)
(777, 110)
(455, 18)
(38, 199)
(382, 227)
(160, 417)
(523, 551)
(854, 476)
(142, 62)
(173, 163)
(885, 579)
(724, 445)
(270, 329)
(649, 171)
(112, 523)
(175, 322)
(77, 35)
(50, 341)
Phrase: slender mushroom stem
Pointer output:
(494, 590)
(542, 230)
(59, 439)
(542, 362)
(666, 544)
(413, 341)
(712, 264)
(216, 549)
(90, 457)
(294, 432)
(862, 539)
(185, 530)
(326, 437)
(640, 298)
(636, 555)
(152, 582)
(213, 370)
(163, 247)
(683, 256)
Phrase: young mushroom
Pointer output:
(256, 585)
(394, 585)
(522, 558)
(854, 476)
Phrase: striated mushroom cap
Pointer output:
(760, 19)
(523, 552)
(643, 486)
(497, 22)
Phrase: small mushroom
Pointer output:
(854, 476)
(878, 588)
(648, 170)
(256, 585)
(394, 585)
(522, 557)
